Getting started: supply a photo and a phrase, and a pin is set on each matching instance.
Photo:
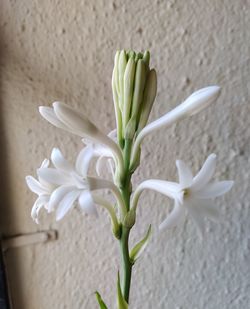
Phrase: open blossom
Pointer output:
(192, 195)
(43, 189)
(59, 187)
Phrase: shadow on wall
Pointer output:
(7, 215)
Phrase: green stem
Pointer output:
(126, 263)
(124, 241)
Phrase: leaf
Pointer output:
(122, 304)
(100, 301)
(140, 246)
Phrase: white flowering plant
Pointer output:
(60, 185)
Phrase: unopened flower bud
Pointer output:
(121, 69)
(148, 98)
(140, 79)
(130, 128)
(129, 77)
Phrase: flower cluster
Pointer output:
(61, 185)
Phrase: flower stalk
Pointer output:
(61, 186)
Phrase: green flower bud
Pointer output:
(121, 69)
(148, 98)
(140, 79)
(146, 58)
(130, 129)
(129, 77)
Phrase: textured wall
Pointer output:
(63, 50)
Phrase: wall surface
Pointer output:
(63, 50)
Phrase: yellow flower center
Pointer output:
(186, 193)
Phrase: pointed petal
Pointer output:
(175, 217)
(60, 162)
(215, 189)
(113, 134)
(83, 160)
(49, 114)
(53, 176)
(35, 185)
(193, 104)
(87, 204)
(83, 127)
(45, 163)
(75, 121)
(66, 203)
(170, 189)
(185, 174)
(196, 216)
(205, 174)
(39, 203)
(57, 195)
(200, 99)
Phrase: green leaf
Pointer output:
(122, 304)
(100, 301)
(140, 246)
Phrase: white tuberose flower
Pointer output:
(192, 194)
(66, 183)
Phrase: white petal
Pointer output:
(60, 162)
(196, 216)
(75, 121)
(185, 174)
(111, 164)
(170, 189)
(83, 160)
(175, 217)
(113, 134)
(79, 181)
(205, 174)
(86, 203)
(201, 99)
(53, 176)
(100, 165)
(215, 189)
(66, 203)
(193, 104)
(39, 203)
(81, 126)
(45, 163)
(49, 114)
(57, 195)
(35, 185)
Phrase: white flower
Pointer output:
(61, 186)
(43, 189)
(62, 116)
(72, 184)
(192, 194)
(193, 104)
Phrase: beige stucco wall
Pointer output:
(63, 50)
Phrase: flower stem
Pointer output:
(124, 240)
(126, 263)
